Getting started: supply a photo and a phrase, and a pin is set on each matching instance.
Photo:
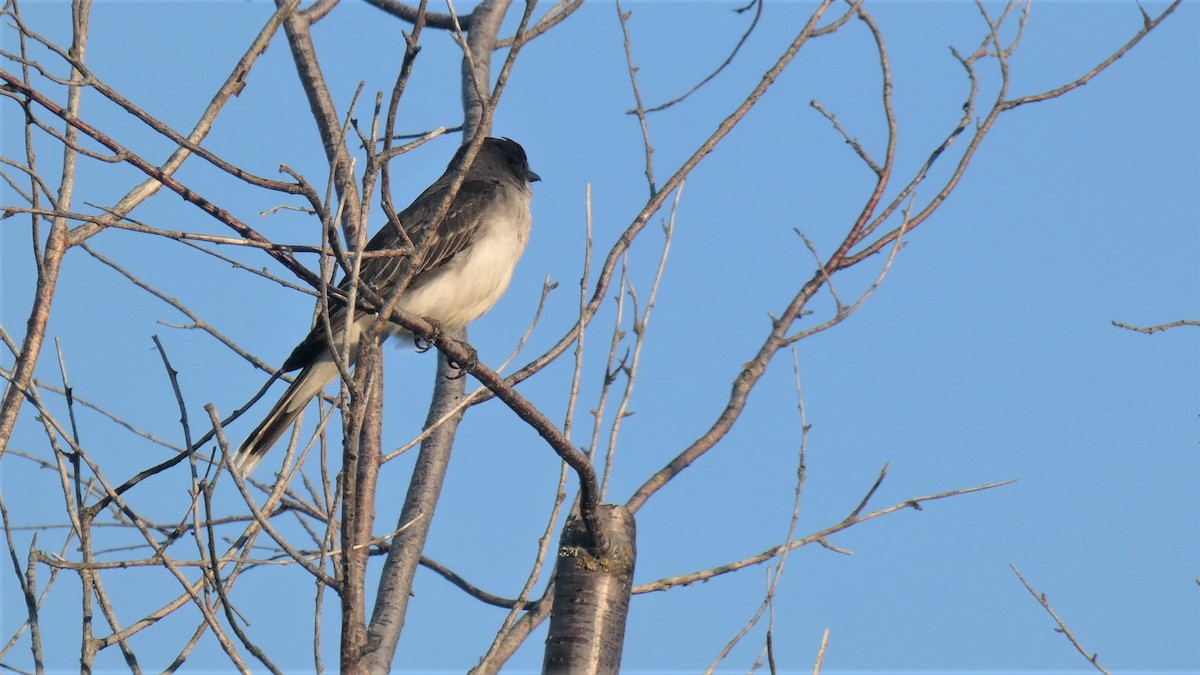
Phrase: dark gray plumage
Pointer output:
(461, 270)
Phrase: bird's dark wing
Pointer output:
(453, 234)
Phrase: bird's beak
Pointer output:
(531, 176)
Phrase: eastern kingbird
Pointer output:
(463, 266)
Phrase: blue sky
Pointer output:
(986, 355)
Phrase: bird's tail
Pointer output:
(307, 384)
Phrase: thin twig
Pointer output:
(758, 8)
(1062, 627)
(472, 590)
(821, 653)
(1150, 330)
(816, 537)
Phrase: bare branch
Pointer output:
(758, 7)
(659, 198)
(1148, 24)
(410, 14)
(554, 16)
(1062, 627)
(640, 110)
(816, 537)
(1149, 330)
(297, 26)
(821, 653)
(159, 175)
(470, 589)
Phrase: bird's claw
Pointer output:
(462, 368)
(424, 344)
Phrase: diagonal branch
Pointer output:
(1062, 627)
(816, 537)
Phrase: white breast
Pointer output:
(471, 283)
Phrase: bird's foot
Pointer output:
(424, 344)
(471, 361)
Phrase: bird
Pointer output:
(464, 264)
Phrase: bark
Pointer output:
(591, 595)
(395, 584)
(35, 333)
(360, 472)
(477, 69)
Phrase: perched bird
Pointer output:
(460, 270)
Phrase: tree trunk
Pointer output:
(591, 595)
(395, 584)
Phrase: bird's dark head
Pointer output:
(504, 154)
